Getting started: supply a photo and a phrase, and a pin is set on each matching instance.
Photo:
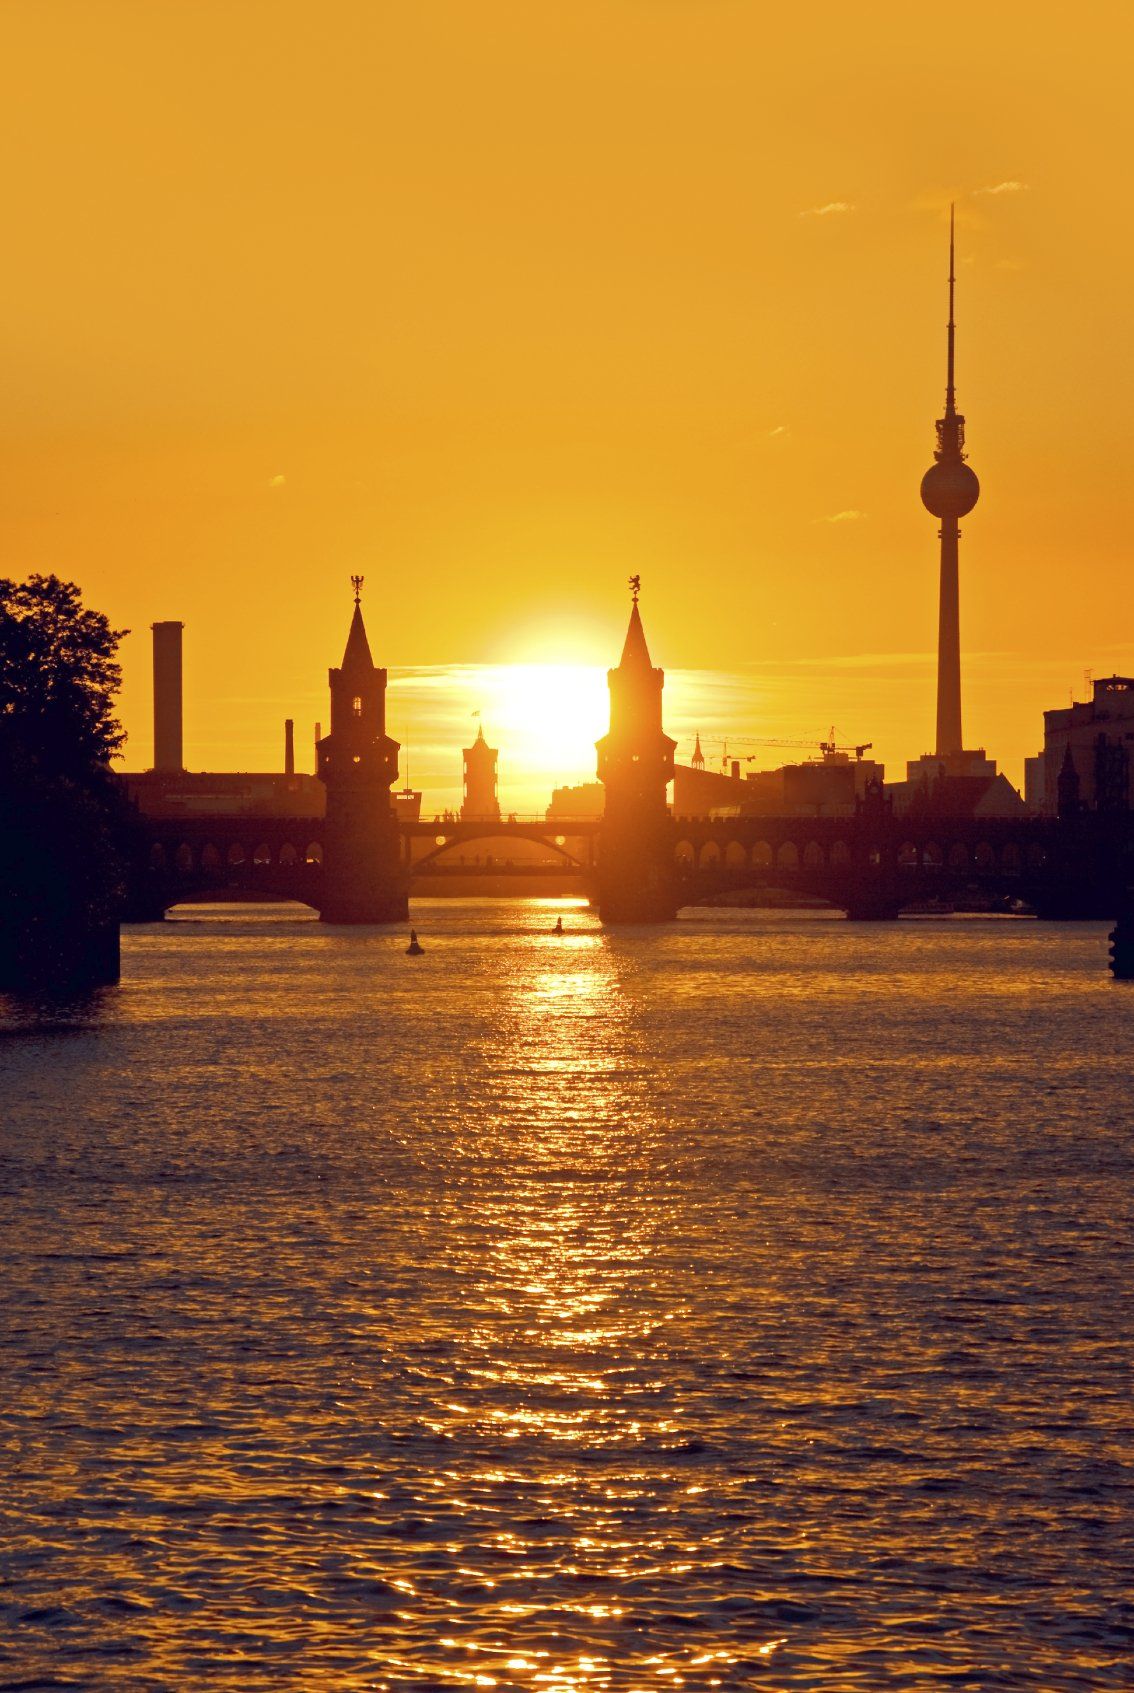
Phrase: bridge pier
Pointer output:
(364, 881)
(636, 881)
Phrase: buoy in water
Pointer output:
(558, 929)
(415, 948)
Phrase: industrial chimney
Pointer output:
(167, 697)
(289, 747)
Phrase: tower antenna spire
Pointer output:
(356, 583)
(950, 392)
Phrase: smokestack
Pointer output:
(736, 770)
(167, 696)
(288, 747)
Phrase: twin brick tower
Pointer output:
(366, 877)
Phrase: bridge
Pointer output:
(868, 866)
(251, 857)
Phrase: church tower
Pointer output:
(637, 882)
(481, 799)
(358, 765)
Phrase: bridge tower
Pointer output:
(358, 765)
(636, 874)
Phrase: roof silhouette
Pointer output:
(357, 654)
(635, 652)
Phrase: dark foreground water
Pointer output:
(746, 1304)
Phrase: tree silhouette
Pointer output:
(61, 849)
(58, 677)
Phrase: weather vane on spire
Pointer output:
(635, 588)
(356, 583)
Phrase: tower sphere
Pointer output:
(949, 488)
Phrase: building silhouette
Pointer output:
(583, 799)
(1088, 756)
(480, 795)
(358, 765)
(637, 881)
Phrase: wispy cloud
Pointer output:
(276, 481)
(831, 209)
(1010, 187)
(849, 516)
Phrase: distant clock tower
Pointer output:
(481, 797)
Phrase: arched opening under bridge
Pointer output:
(488, 850)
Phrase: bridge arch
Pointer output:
(262, 854)
(685, 853)
(235, 854)
(183, 857)
(840, 853)
(788, 856)
(736, 856)
(762, 855)
(313, 853)
(448, 841)
(814, 857)
(932, 857)
(710, 854)
(288, 854)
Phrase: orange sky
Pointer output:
(499, 300)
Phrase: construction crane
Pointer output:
(829, 748)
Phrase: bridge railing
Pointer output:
(453, 819)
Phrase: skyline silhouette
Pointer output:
(516, 357)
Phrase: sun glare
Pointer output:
(548, 715)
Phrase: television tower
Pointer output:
(950, 490)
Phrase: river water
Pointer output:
(745, 1303)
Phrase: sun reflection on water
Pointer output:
(570, 1312)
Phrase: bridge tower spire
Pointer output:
(636, 876)
(950, 490)
(358, 765)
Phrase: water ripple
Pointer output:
(741, 1306)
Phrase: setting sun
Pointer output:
(550, 715)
